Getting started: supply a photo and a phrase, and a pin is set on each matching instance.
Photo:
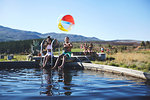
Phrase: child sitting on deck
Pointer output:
(85, 48)
(48, 54)
(90, 48)
(65, 54)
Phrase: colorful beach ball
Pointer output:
(66, 23)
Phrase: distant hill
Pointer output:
(73, 37)
(125, 41)
(9, 34)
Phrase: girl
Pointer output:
(48, 54)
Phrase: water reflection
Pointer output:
(56, 82)
(44, 82)
(48, 78)
(66, 76)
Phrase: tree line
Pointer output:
(145, 44)
(26, 46)
(22, 46)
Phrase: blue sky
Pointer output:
(104, 19)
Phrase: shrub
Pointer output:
(148, 66)
(124, 65)
(133, 66)
(114, 64)
(143, 66)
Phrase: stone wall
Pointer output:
(117, 70)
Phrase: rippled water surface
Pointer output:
(37, 82)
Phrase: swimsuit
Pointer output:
(67, 54)
(90, 48)
(48, 53)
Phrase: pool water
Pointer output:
(83, 83)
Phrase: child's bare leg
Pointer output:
(48, 58)
(44, 61)
(63, 62)
(57, 61)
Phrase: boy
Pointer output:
(65, 54)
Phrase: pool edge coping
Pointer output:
(117, 70)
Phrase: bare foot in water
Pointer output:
(43, 66)
(60, 67)
(54, 68)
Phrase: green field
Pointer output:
(138, 60)
(17, 57)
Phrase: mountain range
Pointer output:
(9, 34)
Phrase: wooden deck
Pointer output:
(34, 61)
(19, 64)
(72, 59)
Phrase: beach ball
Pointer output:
(66, 23)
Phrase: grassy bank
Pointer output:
(139, 60)
(17, 57)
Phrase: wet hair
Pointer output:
(67, 37)
(48, 37)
